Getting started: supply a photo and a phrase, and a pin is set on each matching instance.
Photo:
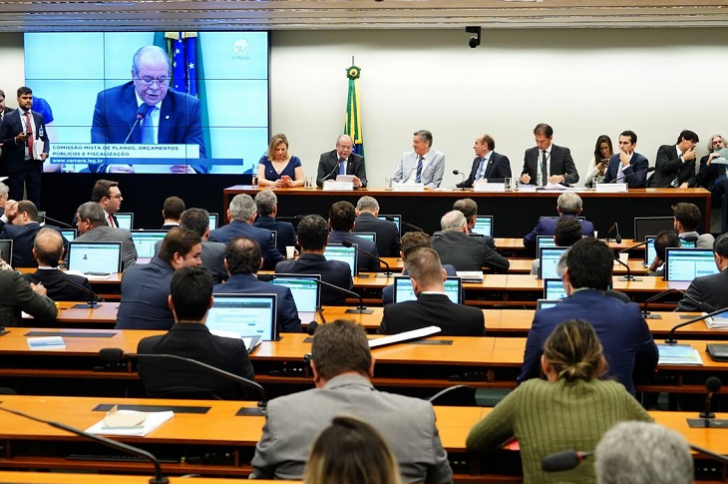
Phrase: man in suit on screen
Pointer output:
(547, 163)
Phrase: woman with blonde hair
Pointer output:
(277, 168)
(569, 410)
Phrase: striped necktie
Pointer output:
(418, 177)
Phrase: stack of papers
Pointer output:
(678, 355)
(719, 321)
(130, 422)
(46, 343)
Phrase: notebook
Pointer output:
(244, 316)
(687, 264)
(344, 254)
(483, 225)
(403, 290)
(94, 258)
(306, 293)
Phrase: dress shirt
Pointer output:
(483, 167)
(413, 174)
(620, 172)
(539, 172)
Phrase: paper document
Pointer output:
(151, 422)
(46, 343)
(678, 355)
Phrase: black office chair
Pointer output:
(455, 396)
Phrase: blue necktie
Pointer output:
(148, 128)
(418, 177)
(342, 167)
(481, 167)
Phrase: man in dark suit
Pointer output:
(60, 286)
(432, 307)
(367, 210)
(266, 204)
(466, 253)
(709, 293)
(172, 212)
(313, 235)
(547, 163)
(627, 166)
(4, 191)
(22, 230)
(712, 177)
(167, 116)
(488, 165)
(3, 111)
(17, 296)
(93, 227)
(242, 214)
(213, 253)
(25, 147)
(342, 219)
(342, 161)
(626, 338)
(663, 240)
(190, 296)
(675, 164)
(107, 194)
(242, 260)
(569, 204)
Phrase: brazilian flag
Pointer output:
(352, 127)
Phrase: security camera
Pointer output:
(474, 41)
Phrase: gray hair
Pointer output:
(643, 453)
(424, 135)
(367, 204)
(265, 202)
(4, 190)
(453, 220)
(569, 202)
(157, 54)
(92, 212)
(342, 137)
(710, 142)
(242, 207)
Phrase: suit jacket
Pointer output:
(468, 253)
(5, 112)
(354, 166)
(194, 340)
(706, 293)
(365, 263)
(104, 233)
(144, 292)
(14, 154)
(23, 237)
(627, 342)
(163, 227)
(496, 171)
(286, 233)
(407, 425)
(708, 175)
(388, 242)
(236, 228)
(388, 291)
(58, 287)
(560, 163)
(334, 272)
(547, 226)
(433, 310)
(286, 311)
(668, 166)
(16, 296)
(638, 164)
(212, 256)
(432, 174)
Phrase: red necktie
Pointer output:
(111, 221)
(29, 129)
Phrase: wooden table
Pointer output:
(66, 478)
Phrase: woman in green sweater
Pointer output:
(572, 410)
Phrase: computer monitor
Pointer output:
(548, 259)
(687, 264)
(403, 290)
(244, 315)
(94, 257)
(145, 242)
(125, 220)
(370, 236)
(306, 293)
(687, 244)
(213, 221)
(69, 234)
(394, 218)
(345, 254)
(644, 226)
(650, 251)
(6, 250)
(483, 225)
(544, 241)
(553, 289)
(546, 304)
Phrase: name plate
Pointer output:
(338, 186)
(408, 187)
(489, 187)
(611, 188)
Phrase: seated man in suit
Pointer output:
(172, 211)
(93, 227)
(627, 166)
(241, 214)
(342, 219)
(312, 236)
(675, 164)
(190, 296)
(213, 253)
(568, 204)
(48, 250)
(107, 194)
(342, 161)
(470, 210)
(4, 190)
(367, 210)
(22, 230)
(663, 240)
(627, 342)
(17, 296)
(342, 366)
(242, 260)
(709, 293)
(145, 287)
(488, 166)
(567, 233)
(423, 165)
(687, 219)
(547, 163)
(712, 177)
(466, 253)
(266, 204)
(432, 307)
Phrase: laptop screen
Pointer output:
(69, 234)
(6, 250)
(650, 251)
(344, 254)
(548, 259)
(213, 221)
(687, 244)
(553, 289)
(687, 264)
(146, 240)
(306, 293)
(244, 315)
(545, 304)
(370, 236)
(126, 220)
(644, 226)
(544, 241)
(395, 219)
(484, 225)
(94, 257)
(403, 290)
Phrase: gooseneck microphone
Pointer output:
(92, 303)
(630, 175)
(713, 385)
(336, 168)
(671, 337)
(141, 113)
(360, 309)
(629, 276)
(387, 273)
(622, 251)
(563, 461)
(462, 182)
(57, 222)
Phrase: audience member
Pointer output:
(18, 296)
(712, 177)
(709, 293)
(4, 190)
(424, 165)
(470, 210)
(107, 194)
(488, 166)
(547, 163)
(568, 204)
(628, 166)
(663, 240)
(93, 227)
(342, 219)
(172, 211)
(266, 204)
(213, 253)
(342, 161)
(687, 219)
(675, 164)
(566, 233)
(603, 151)
(22, 230)
(367, 210)
(277, 168)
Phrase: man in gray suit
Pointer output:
(93, 227)
(342, 365)
(709, 293)
(423, 165)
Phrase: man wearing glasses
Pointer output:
(146, 111)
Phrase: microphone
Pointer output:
(158, 476)
(462, 182)
(630, 175)
(91, 304)
(629, 276)
(564, 460)
(336, 167)
(57, 222)
(311, 328)
(622, 251)
(115, 355)
(646, 313)
(671, 337)
(617, 238)
(387, 273)
(141, 113)
(713, 385)
(413, 227)
(360, 309)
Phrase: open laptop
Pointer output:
(94, 258)
(684, 265)
(650, 251)
(213, 221)
(69, 234)
(553, 289)
(483, 225)
(125, 220)
(6, 250)
(644, 226)
(251, 317)
(396, 219)
(544, 241)
(370, 236)
(306, 293)
(403, 290)
(145, 242)
(546, 303)
(548, 259)
(345, 254)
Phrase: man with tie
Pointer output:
(627, 166)
(713, 177)
(424, 165)
(107, 194)
(675, 164)
(25, 147)
(342, 161)
(547, 163)
(488, 166)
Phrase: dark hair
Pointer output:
(545, 129)
(574, 351)
(312, 232)
(688, 135)
(2, 94)
(173, 208)
(424, 266)
(28, 207)
(567, 232)
(191, 289)
(101, 189)
(487, 139)
(598, 152)
(243, 256)
(632, 136)
(340, 347)
(665, 239)
(178, 240)
(411, 241)
(688, 214)
(196, 220)
(720, 246)
(467, 206)
(342, 216)
(24, 90)
(590, 263)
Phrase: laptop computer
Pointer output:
(213, 221)
(396, 219)
(6, 250)
(553, 289)
(125, 219)
(251, 317)
(345, 254)
(644, 226)
(370, 236)
(145, 242)
(483, 225)
(306, 293)
(546, 303)
(94, 258)
(69, 234)
(548, 259)
(544, 241)
(686, 264)
(650, 251)
(403, 290)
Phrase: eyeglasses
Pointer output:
(148, 81)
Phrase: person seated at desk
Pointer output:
(470, 209)
(547, 163)
(488, 166)
(172, 211)
(313, 235)
(433, 307)
(709, 293)
(190, 297)
(628, 344)
(17, 296)
(571, 410)
(603, 151)
(4, 191)
(22, 230)
(242, 260)
(628, 166)
(342, 161)
(213, 253)
(93, 227)
(60, 286)
(663, 240)
(567, 233)
(367, 210)
(342, 219)
(568, 204)
(342, 367)
(266, 204)
(675, 164)
(687, 219)
(712, 177)
(465, 253)
(145, 287)
(424, 165)
(277, 168)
